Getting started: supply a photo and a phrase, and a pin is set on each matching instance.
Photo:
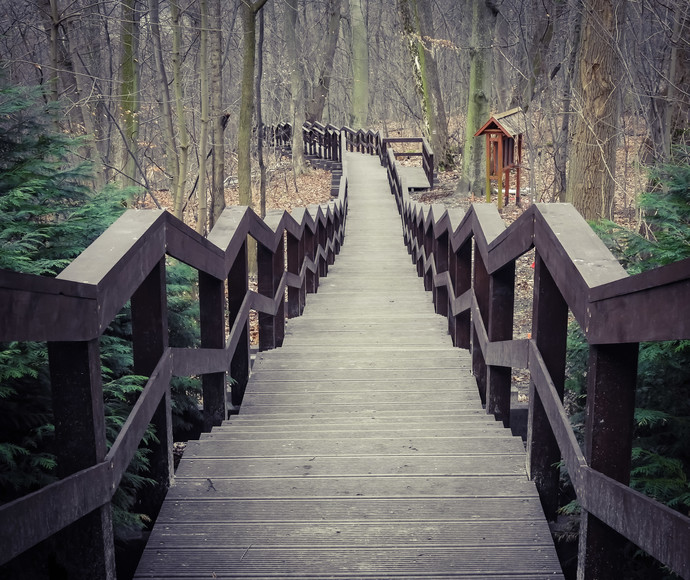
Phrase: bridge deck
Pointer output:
(361, 449)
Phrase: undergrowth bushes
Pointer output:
(48, 215)
(661, 448)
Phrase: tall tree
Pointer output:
(360, 65)
(320, 94)
(218, 116)
(481, 67)
(299, 165)
(592, 156)
(203, 140)
(418, 27)
(178, 91)
(260, 116)
(129, 88)
(171, 153)
(244, 133)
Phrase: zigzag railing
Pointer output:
(468, 261)
(327, 142)
(72, 311)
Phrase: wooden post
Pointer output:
(330, 237)
(499, 171)
(461, 273)
(237, 290)
(150, 340)
(441, 259)
(428, 250)
(517, 175)
(271, 265)
(85, 549)
(500, 327)
(212, 322)
(611, 382)
(489, 146)
(322, 242)
(295, 259)
(481, 291)
(549, 331)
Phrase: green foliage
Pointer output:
(26, 432)
(661, 454)
(666, 212)
(47, 214)
(660, 477)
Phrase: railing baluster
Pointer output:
(149, 340)
(549, 331)
(461, 273)
(322, 243)
(271, 265)
(237, 290)
(499, 328)
(79, 418)
(212, 322)
(611, 381)
(481, 294)
(295, 258)
(441, 260)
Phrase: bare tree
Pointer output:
(244, 167)
(360, 65)
(323, 84)
(418, 27)
(297, 113)
(592, 158)
(480, 86)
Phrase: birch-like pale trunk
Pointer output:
(203, 137)
(360, 66)
(178, 92)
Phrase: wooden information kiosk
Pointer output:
(503, 151)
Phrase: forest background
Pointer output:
(161, 100)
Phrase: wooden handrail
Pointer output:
(81, 302)
(574, 271)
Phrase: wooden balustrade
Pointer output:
(468, 262)
(72, 311)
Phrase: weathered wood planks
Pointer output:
(361, 449)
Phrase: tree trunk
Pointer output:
(318, 102)
(129, 88)
(183, 163)
(164, 98)
(592, 159)
(560, 150)
(299, 165)
(244, 133)
(218, 116)
(418, 27)
(481, 68)
(259, 117)
(360, 66)
(203, 138)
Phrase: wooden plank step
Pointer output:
(399, 509)
(438, 486)
(361, 449)
(384, 534)
(479, 444)
(487, 562)
(383, 465)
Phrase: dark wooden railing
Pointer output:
(468, 261)
(279, 135)
(72, 311)
(324, 142)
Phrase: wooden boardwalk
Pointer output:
(361, 449)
